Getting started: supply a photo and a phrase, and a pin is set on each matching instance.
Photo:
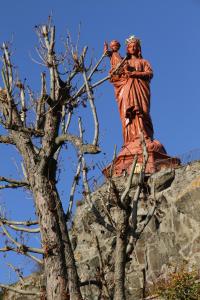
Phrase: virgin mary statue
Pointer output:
(131, 79)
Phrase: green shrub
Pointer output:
(180, 285)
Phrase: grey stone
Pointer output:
(162, 179)
(170, 240)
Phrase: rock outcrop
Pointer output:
(171, 238)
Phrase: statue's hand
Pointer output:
(135, 74)
(114, 78)
(141, 75)
(105, 48)
(127, 73)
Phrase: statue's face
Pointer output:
(114, 46)
(132, 48)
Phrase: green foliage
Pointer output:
(180, 285)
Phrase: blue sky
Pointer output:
(170, 36)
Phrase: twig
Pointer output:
(40, 108)
(73, 188)
(17, 271)
(133, 217)
(77, 142)
(49, 40)
(13, 184)
(33, 230)
(100, 82)
(23, 105)
(20, 247)
(149, 215)
(113, 160)
(82, 88)
(68, 121)
(26, 223)
(10, 180)
(21, 251)
(129, 182)
(93, 108)
(19, 291)
(6, 140)
(10, 186)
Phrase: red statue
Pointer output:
(131, 78)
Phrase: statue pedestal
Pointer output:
(157, 160)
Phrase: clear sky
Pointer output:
(170, 36)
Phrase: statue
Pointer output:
(131, 78)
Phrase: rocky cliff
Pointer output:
(171, 238)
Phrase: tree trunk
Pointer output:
(120, 255)
(59, 263)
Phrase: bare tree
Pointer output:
(39, 146)
(39, 143)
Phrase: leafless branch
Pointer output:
(149, 215)
(7, 76)
(8, 66)
(48, 34)
(30, 131)
(112, 163)
(82, 88)
(73, 188)
(10, 186)
(20, 85)
(13, 184)
(33, 230)
(42, 56)
(129, 182)
(139, 185)
(17, 271)
(87, 192)
(110, 185)
(76, 141)
(63, 114)
(107, 213)
(37, 62)
(93, 108)
(25, 223)
(133, 217)
(40, 108)
(78, 61)
(13, 181)
(109, 76)
(19, 291)
(20, 247)
(95, 68)
(68, 121)
(21, 251)
(99, 82)
(6, 140)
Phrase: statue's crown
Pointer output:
(131, 39)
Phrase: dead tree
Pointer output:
(39, 146)
(120, 210)
(54, 108)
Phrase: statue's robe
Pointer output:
(133, 98)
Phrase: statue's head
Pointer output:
(114, 45)
(133, 46)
